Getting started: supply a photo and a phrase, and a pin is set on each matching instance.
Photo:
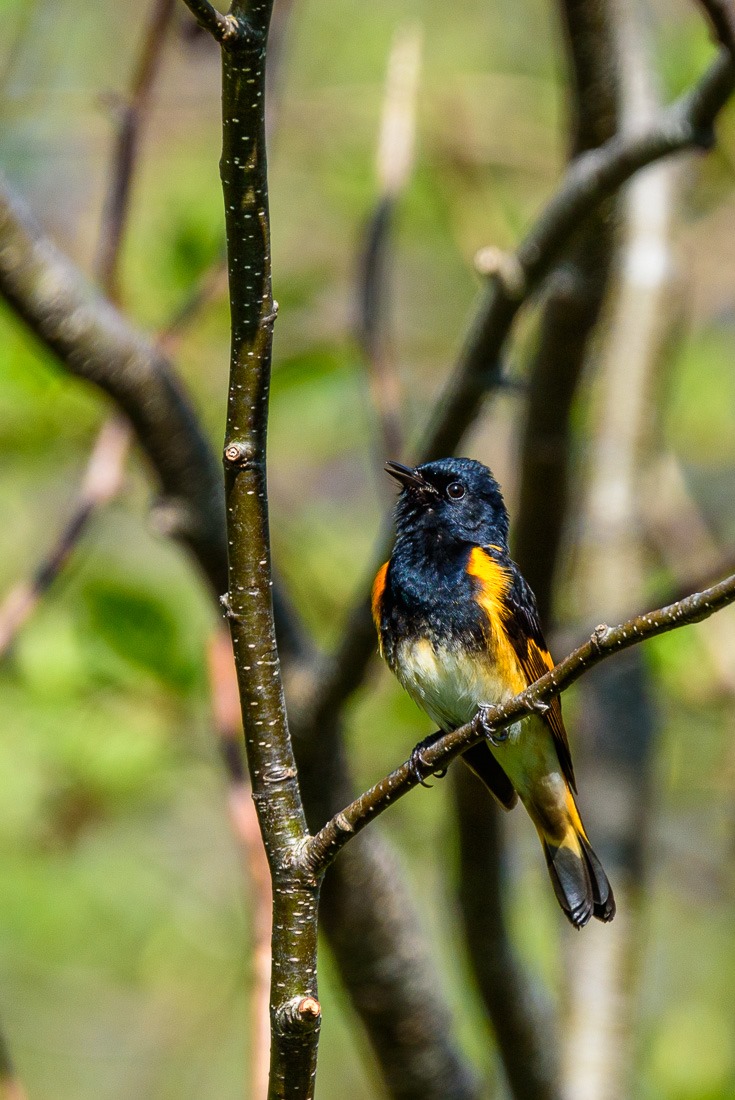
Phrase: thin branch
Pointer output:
(295, 1010)
(210, 285)
(321, 849)
(223, 28)
(590, 180)
(680, 536)
(131, 118)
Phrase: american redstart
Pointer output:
(459, 627)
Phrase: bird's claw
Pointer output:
(540, 707)
(420, 770)
(495, 737)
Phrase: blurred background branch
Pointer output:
(103, 477)
(394, 163)
(619, 723)
(10, 1086)
(574, 294)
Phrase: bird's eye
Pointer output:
(455, 490)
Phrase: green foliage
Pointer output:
(140, 630)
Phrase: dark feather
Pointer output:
(485, 766)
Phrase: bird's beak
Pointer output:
(408, 477)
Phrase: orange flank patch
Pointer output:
(517, 664)
(378, 590)
(494, 583)
(574, 818)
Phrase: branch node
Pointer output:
(279, 775)
(231, 29)
(298, 1016)
(230, 613)
(343, 823)
(598, 636)
(492, 262)
(238, 454)
(270, 317)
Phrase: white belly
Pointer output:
(446, 684)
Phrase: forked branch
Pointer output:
(222, 27)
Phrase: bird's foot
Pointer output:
(495, 737)
(419, 768)
(540, 707)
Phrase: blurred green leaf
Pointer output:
(140, 629)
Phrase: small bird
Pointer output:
(459, 627)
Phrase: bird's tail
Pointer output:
(581, 885)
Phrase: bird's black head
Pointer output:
(450, 500)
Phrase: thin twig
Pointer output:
(394, 163)
(321, 849)
(131, 116)
(102, 481)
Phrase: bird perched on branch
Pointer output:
(458, 626)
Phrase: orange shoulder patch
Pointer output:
(492, 576)
(377, 597)
(495, 581)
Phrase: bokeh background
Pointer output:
(125, 919)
